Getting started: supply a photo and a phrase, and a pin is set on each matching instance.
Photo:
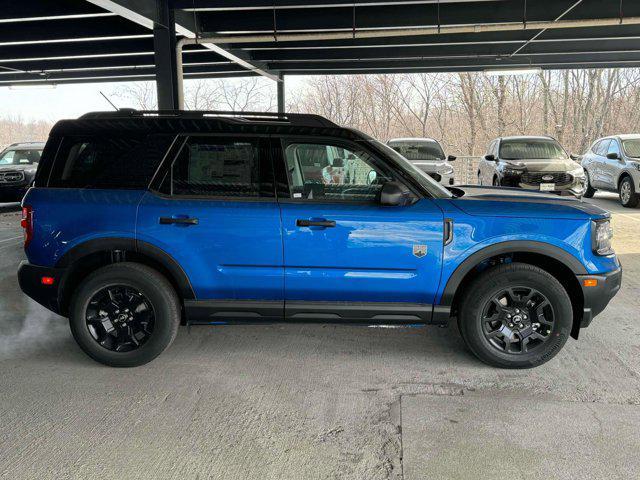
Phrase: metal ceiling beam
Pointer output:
(372, 17)
(227, 5)
(184, 26)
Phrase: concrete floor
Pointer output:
(325, 402)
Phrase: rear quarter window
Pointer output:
(108, 161)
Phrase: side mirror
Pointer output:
(490, 158)
(372, 177)
(394, 194)
(574, 156)
(613, 156)
(451, 158)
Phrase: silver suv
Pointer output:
(613, 164)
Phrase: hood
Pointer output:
(516, 202)
(18, 168)
(544, 165)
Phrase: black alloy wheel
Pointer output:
(517, 320)
(515, 315)
(124, 314)
(120, 318)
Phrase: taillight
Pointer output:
(27, 224)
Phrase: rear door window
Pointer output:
(213, 166)
(108, 161)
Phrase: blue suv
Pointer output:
(141, 221)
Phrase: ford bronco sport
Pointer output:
(141, 221)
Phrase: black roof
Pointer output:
(134, 122)
(101, 40)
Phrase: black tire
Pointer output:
(479, 179)
(156, 291)
(590, 191)
(496, 181)
(629, 198)
(478, 296)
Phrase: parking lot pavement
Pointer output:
(313, 401)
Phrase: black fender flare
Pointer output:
(129, 244)
(515, 246)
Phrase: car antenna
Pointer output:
(110, 102)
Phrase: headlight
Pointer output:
(601, 235)
(578, 172)
(446, 170)
(512, 171)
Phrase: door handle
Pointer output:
(178, 220)
(315, 223)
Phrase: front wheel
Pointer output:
(628, 196)
(124, 314)
(589, 191)
(515, 316)
(496, 182)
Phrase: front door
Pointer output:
(216, 214)
(345, 255)
(611, 166)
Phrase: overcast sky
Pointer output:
(71, 101)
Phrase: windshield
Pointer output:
(531, 149)
(632, 147)
(419, 150)
(20, 157)
(430, 185)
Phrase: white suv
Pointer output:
(613, 164)
(427, 155)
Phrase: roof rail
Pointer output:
(301, 119)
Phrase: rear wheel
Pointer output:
(515, 316)
(124, 315)
(479, 179)
(589, 191)
(496, 182)
(628, 196)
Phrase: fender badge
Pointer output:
(419, 251)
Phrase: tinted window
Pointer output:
(221, 167)
(419, 150)
(108, 161)
(530, 148)
(318, 171)
(20, 157)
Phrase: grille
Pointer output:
(534, 178)
(11, 177)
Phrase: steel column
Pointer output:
(281, 99)
(164, 44)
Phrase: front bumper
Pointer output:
(598, 297)
(30, 281)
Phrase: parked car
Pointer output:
(613, 164)
(140, 221)
(532, 163)
(18, 165)
(428, 156)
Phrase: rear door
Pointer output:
(214, 211)
(345, 255)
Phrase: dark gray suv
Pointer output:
(18, 165)
(613, 164)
